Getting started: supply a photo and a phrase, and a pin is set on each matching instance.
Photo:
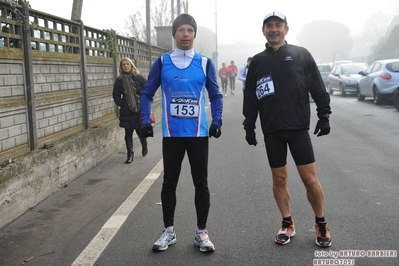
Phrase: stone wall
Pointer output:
(57, 115)
(34, 176)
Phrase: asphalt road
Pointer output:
(112, 216)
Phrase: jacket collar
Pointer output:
(270, 48)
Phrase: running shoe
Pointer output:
(323, 238)
(225, 95)
(167, 238)
(202, 241)
(285, 233)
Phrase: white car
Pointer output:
(380, 81)
(340, 62)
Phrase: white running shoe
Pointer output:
(202, 241)
(167, 238)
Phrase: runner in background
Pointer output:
(224, 77)
(233, 70)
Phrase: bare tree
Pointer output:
(135, 26)
(374, 28)
(160, 16)
(326, 40)
(205, 42)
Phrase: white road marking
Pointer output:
(93, 251)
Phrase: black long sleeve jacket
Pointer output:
(294, 74)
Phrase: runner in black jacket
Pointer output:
(294, 74)
(277, 87)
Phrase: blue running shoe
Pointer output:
(202, 241)
(167, 238)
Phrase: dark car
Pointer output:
(343, 78)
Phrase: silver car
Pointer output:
(343, 78)
(396, 98)
(380, 81)
(324, 70)
(337, 63)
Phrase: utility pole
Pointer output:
(172, 5)
(148, 20)
(148, 24)
(77, 10)
(185, 6)
(216, 35)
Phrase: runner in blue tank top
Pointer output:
(183, 76)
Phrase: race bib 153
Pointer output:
(184, 107)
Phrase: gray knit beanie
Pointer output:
(184, 19)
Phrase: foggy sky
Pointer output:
(237, 22)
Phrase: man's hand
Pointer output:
(322, 128)
(146, 131)
(250, 137)
(215, 131)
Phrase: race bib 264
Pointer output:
(264, 87)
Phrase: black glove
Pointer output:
(146, 131)
(214, 130)
(322, 128)
(250, 137)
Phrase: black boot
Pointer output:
(129, 147)
(144, 149)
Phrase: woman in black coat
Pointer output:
(126, 94)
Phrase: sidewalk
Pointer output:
(75, 214)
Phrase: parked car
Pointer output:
(343, 78)
(380, 81)
(340, 62)
(324, 69)
(396, 98)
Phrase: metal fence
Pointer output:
(56, 76)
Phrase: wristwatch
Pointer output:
(325, 116)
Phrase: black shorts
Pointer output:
(297, 140)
